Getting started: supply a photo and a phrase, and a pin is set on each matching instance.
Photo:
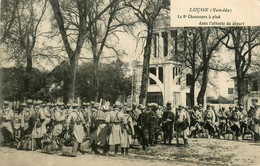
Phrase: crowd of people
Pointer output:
(59, 127)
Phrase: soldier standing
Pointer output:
(196, 121)
(116, 118)
(243, 122)
(7, 124)
(182, 125)
(77, 122)
(59, 119)
(209, 120)
(167, 123)
(152, 123)
(142, 123)
(235, 119)
(127, 132)
(257, 125)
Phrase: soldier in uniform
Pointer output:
(127, 132)
(76, 121)
(182, 125)
(235, 119)
(116, 118)
(168, 118)
(243, 122)
(135, 115)
(209, 121)
(142, 124)
(152, 123)
(196, 121)
(7, 124)
(257, 125)
(59, 124)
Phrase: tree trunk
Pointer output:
(146, 65)
(72, 74)
(192, 93)
(96, 80)
(28, 72)
(203, 88)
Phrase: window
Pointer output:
(179, 81)
(153, 70)
(188, 100)
(189, 79)
(173, 72)
(155, 42)
(152, 82)
(174, 36)
(230, 91)
(255, 85)
(161, 74)
(165, 43)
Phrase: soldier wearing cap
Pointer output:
(59, 124)
(116, 119)
(196, 121)
(182, 125)
(209, 121)
(235, 119)
(168, 118)
(143, 129)
(127, 132)
(42, 118)
(152, 122)
(243, 121)
(256, 119)
(7, 124)
(76, 123)
(86, 111)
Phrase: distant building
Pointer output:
(251, 89)
(169, 81)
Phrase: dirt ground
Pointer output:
(200, 152)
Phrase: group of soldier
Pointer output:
(59, 127)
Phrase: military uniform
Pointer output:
(257, 125)
(235, 118)
(142, 123)
(168, 118)
(127, 132)
(152, 125)
(196, 121)
(7, 124)
(77, 122)
(182, 125)
(209, 120)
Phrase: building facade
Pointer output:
(168, 79)
(251, 90)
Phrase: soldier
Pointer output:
(167, 123)
(142, 124)
(257, 125)
(243, 122)
(42, 119)
(182, 125)
(86, 111)
(196, 121)
(235, 119)
(7, 124)
(127, 132)
(76, 121)
(222, 122)
(116, 118)
(135, 115)
(59, 124)
(209, 121)
(152, 123)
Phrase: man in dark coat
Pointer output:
(167, 123)
(153, 123)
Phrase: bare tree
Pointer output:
(210, 39)
(147, 12)
(242, 40)
(71, 17)
(103, 32)
(190, 55)
(8, 15)
(22, 33)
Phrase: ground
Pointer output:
(201, 152)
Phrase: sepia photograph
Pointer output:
(129, 82)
